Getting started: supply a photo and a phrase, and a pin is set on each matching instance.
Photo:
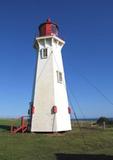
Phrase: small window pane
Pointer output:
(43, 53)
(59, 77)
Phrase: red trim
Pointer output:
(54, 109)
(69, 110)
(32, 110)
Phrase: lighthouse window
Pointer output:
(43, 53)
(59, 77)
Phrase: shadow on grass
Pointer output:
(62, 156)
(5, 127)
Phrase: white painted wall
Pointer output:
(48, 92)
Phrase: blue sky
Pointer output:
(87, 28)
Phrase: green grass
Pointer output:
(32, 146)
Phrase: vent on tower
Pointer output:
(48, 28)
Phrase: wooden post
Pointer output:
(104, 125)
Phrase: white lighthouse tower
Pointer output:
(50, 110)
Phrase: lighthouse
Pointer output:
(49, 110)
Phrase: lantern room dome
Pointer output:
(48, 28)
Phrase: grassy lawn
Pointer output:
(91, 144)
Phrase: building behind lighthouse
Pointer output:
(49, 109)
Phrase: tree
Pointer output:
(101, 120)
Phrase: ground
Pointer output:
(87, 144)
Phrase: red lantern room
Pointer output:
(48, 28)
